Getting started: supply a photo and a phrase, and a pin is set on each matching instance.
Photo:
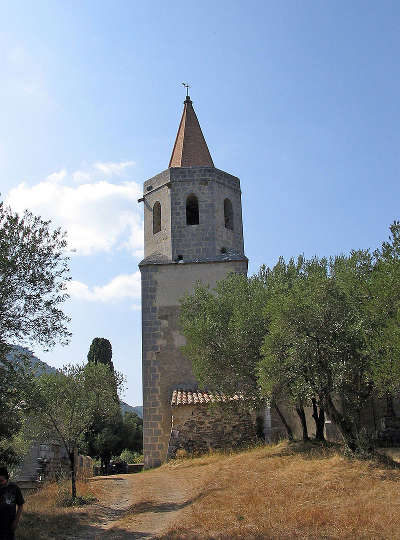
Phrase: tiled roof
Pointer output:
(190, 148)
(199, 397)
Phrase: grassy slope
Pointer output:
(291, 491)
(43, 518)
(279, 491)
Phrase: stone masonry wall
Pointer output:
(198, 429)
(164, 366)
(165, 281)
(159, 192)
(205, 240)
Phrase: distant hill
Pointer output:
(21, 354)
(128, 408)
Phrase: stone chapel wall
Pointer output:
(201, 428)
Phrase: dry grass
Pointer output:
(290, 491)
(282, 491)
(43, 518)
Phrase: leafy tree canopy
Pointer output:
(320, 331)
(33, 278)
(100, 352)
(224, 333)
(64, 405)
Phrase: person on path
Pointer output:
(11, 506)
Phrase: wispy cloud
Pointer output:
(98, 215)
(110, 168)
(57, 176)
(81, 177)
(122, 287)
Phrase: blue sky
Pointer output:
(299, 99)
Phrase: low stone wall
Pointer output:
(200, 428)
(135, 467)
(50, 461)
(84, 466)
(44, 460)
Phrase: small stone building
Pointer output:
(198, 427)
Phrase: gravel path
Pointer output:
(136, 506)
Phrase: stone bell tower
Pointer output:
(192, 232)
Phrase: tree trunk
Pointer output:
(319, 419)
(302, 416)
(342, 422)
(283, 420)
(389, 406)
(73, 473)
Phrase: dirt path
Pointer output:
(136, 505)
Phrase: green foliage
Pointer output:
(320, 331)
(316, 339)
(33, 278)
(278, 378)
(66, 402)
(108, 438)
(64, 405)
(104, 439)
(132, 434)
(13, 440)
(64, 499)
(383, 342)
(131, 457)
(100, 352)
(224, 332)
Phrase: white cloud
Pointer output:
(111, 168)
(57, 176)
(124, 286)
(98, 215)
(81, 177)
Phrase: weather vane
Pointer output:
(187, 86)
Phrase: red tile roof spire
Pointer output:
(190, 148)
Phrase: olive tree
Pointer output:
(64, 405)
(33, 286)
(317, 338)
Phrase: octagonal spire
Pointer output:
(190, 148)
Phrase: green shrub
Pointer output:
(131, 457)
(65, 499)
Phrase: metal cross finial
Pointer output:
(187, 86)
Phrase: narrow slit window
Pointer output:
(228, 214)
(156, 217)
(192, 210)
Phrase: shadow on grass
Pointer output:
(64, 524)
(184, 534)
(107, 478)
(190, 465)
(314, 450)
(307, 450)
(151, 506)
(69, 526)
